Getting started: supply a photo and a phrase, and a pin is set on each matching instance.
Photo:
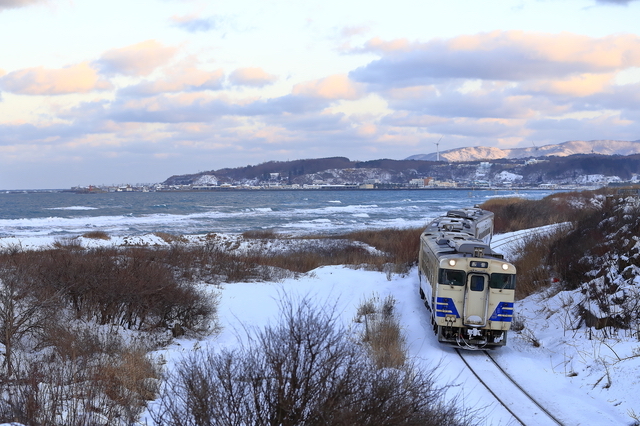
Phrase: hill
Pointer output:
(577, 168)
(603, 147)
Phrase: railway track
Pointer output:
(503, 240)
(518, 402)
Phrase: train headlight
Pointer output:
(505, 266)
(452, 262)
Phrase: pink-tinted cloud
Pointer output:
(137, 60)
(13, 4)
(580, 85)
(498, 55)
(255, 77)
(334, 87)
(181, 79)
(80, 78)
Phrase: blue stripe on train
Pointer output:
(445, 306)
(503, 312)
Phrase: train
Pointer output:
(467, 287)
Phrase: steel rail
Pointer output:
(512, 381)
(508, 376)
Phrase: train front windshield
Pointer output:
(452, 277)
(503, 281)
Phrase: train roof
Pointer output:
(454, 243)
(470, 222)
(473, 213)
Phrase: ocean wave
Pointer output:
(72, 208)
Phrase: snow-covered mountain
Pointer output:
(606, 147)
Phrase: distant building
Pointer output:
(420, 183)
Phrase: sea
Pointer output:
(293, 212)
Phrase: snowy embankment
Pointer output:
(582, 378)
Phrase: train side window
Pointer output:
(477, 283)
(503, 281)
(451, 277)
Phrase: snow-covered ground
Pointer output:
(580, 377)
(582, 381)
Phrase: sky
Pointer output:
(95, 92)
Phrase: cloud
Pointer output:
(489, 104)
(334, 87)
(80, 78)
(198, 107)
(14, 4)
(507, 56)
(255, 77)
(194, 24)
(313, 122)
(351, 31)
(579, 86)
(182, 79)
(617, 2)
(136, 60)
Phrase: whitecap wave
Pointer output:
(72, 208)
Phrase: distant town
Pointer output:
(549, 167)
(364, 186)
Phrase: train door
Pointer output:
(476, 298)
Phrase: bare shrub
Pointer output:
(131, 288)
(97, 235)
(24, 312)
(305, 370)
(81, 391)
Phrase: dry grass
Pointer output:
(514, 214)
(131, 379)
(68, 243)
(382, 332)
(397, 252)
(534, 262)
(261, 234)
(97, 235)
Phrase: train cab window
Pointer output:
(503, 281)
(477, 283)
(451, 277)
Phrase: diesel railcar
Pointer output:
(468, 288)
